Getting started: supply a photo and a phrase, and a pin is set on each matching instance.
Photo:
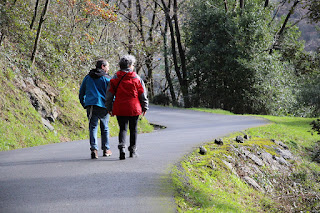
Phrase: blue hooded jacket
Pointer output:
(93, 88)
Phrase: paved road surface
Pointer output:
(62, 177)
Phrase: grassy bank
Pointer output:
(203, 183)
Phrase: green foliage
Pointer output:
(161, 99)
(309, 95)
(219, 42)
(271, 91)
(231, 67)
(314, 8)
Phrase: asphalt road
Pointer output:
(62, 177)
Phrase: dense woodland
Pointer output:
(245, 56)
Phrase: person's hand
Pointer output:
(144, 113)
(110, 113)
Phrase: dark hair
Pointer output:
(126, 61)
(101, 62)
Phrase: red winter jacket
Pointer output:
(130, 98)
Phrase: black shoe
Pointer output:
(94, 154)
(122, 154)
(133, 154)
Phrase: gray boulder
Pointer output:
(239, 139)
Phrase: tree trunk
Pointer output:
(226, 5)
(34, 14)
(241, 4)
(185, 82)
(174, 54)
(130, 37)
(42, 19)
(173, 42)
(1, 38)
(148, 61)
(288, 17)
(266, 3)
(149, 57)
(166, 65)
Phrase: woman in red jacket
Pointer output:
(127, 99)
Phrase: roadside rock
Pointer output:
(248, 170)
(42, 97)
(252, 183)
(281, 160)
(229, 166)
(47, 124)
(240, 139)
(286, 154)
(280, 144)
(267, 157)
(252, 156)
(202, 150)
(218, 141)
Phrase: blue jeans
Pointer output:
(95, 114)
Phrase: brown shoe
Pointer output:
(107, 153)
(94, 154)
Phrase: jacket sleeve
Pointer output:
(82, 92)
(143, 98)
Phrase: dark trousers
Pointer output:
(133, 127)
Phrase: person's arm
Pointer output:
(82, 92)
(143, 98)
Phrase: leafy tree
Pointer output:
(271, 90)
(230, 67)
(314, 10)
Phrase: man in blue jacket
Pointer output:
(92, 96)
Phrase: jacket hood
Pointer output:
(128, 72)
(97, 73)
